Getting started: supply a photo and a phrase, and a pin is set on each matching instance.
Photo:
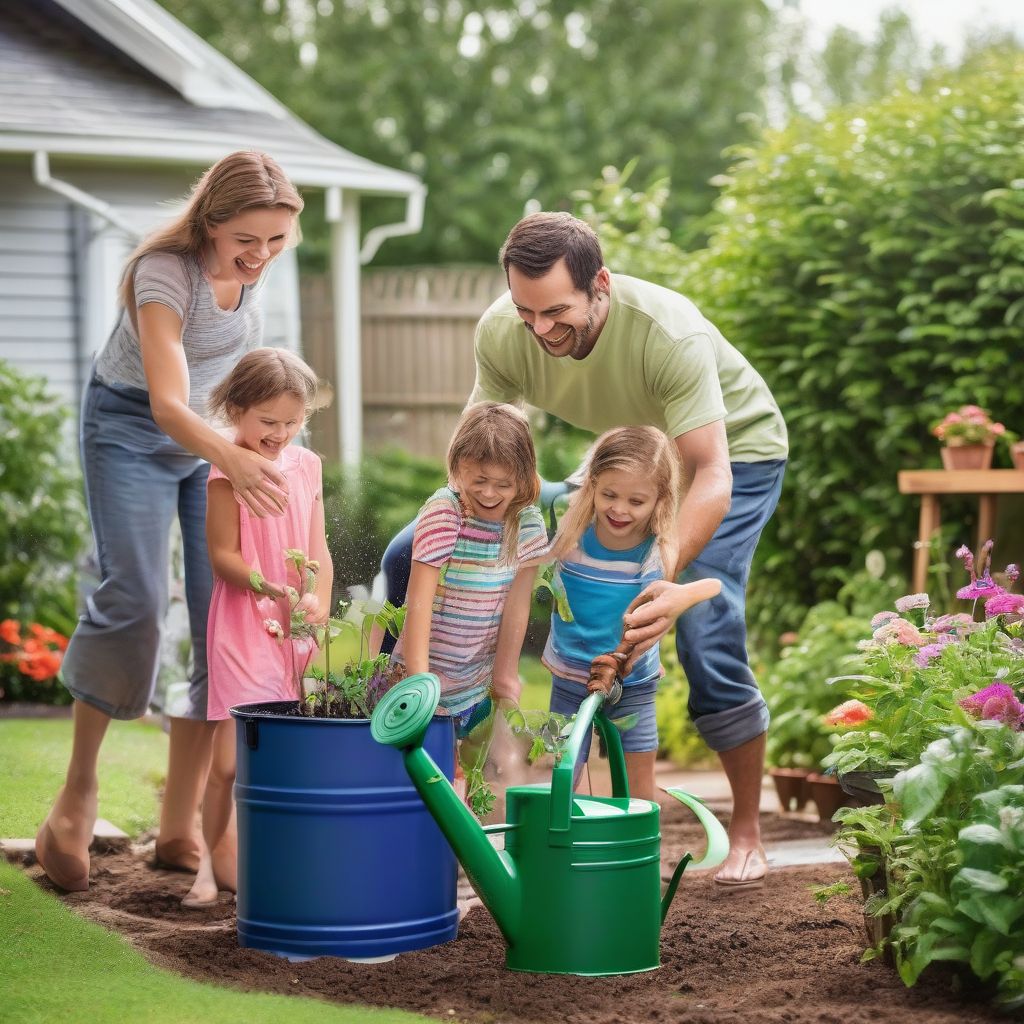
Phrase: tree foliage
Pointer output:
(511, 102)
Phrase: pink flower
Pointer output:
(881, 618)
(971, 410)
(911, 601)
(902, 632)
(995, 703)
(274, 628)
(851, 712)
(964, 554)
(997, 428)
(949, 623)
(1004, 604)
(1012, 572)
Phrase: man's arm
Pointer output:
(707, 489)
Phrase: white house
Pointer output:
(109, 110)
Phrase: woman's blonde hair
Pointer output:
(646, 452)
(245, 180)
(499, 434)
(261, 376)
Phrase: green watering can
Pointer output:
(577, 888)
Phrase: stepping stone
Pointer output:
(106, 838)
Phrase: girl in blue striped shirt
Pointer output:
(619, 534)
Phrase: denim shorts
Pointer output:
(137, 479)
(637, 699)
(711, 638)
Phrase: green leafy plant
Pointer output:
(951, 839)
(354, 691)
(42, 517)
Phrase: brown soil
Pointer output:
(773, 955)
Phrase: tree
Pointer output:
(515, 102)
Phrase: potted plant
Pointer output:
(1017, 454)
(968, 436)
(337, 855)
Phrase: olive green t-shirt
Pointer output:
(657, 362)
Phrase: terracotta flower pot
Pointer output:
(1017, 453)
(791, 786)
(968, 456)
(827, 795)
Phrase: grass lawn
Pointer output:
(133, 764)
(536, 684)
(55, 966)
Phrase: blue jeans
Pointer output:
(136, 480)
(711, 638)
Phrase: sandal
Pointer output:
(752, 872)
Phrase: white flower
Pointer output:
(274, 628)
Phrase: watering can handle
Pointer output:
(564, 773)
(718, 842)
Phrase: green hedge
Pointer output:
(871, 266)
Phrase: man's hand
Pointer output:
(256, 480)
(655, 609)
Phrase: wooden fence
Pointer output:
(417, 352)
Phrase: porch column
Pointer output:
(343, 215)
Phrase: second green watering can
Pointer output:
(577, 889)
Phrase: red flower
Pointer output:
(46, 635)
(852, 712)
(10, 632)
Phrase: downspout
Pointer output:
(41, 171)
(410, 226)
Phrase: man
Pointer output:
(602, 350)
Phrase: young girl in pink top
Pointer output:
(266, 398)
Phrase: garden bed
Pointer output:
(768, 956)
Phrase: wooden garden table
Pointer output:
(931, 484)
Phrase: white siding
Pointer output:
(38, 316)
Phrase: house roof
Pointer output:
(123, 79)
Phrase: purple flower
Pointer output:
(996, 703)
(929, 651)
(881, 618)
(910, 601)
(1004, 604)
(983, 588)
(1012, 572)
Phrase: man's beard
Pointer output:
(582, 338)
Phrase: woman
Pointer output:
(190, 310)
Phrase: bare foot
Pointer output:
(62, 842)
(177, 854)
(743, 868)
(225, 864)
(202, 894)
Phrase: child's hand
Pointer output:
(508, 688)
(265, 587)
(309, 606)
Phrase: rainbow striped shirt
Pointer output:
(471, 592)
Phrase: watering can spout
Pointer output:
(717, 848)
(400, 720)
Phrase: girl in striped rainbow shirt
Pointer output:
(474, 555)
(619, 534)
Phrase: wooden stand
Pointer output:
(931, 484)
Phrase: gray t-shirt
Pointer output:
(214, 339)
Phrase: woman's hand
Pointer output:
(256, 480)
(655, 609)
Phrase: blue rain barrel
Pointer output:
(337, 854)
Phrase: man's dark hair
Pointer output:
(540, 240)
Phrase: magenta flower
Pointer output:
(881, 618)
(995, 703)
(1004, 604)
(982, 588)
